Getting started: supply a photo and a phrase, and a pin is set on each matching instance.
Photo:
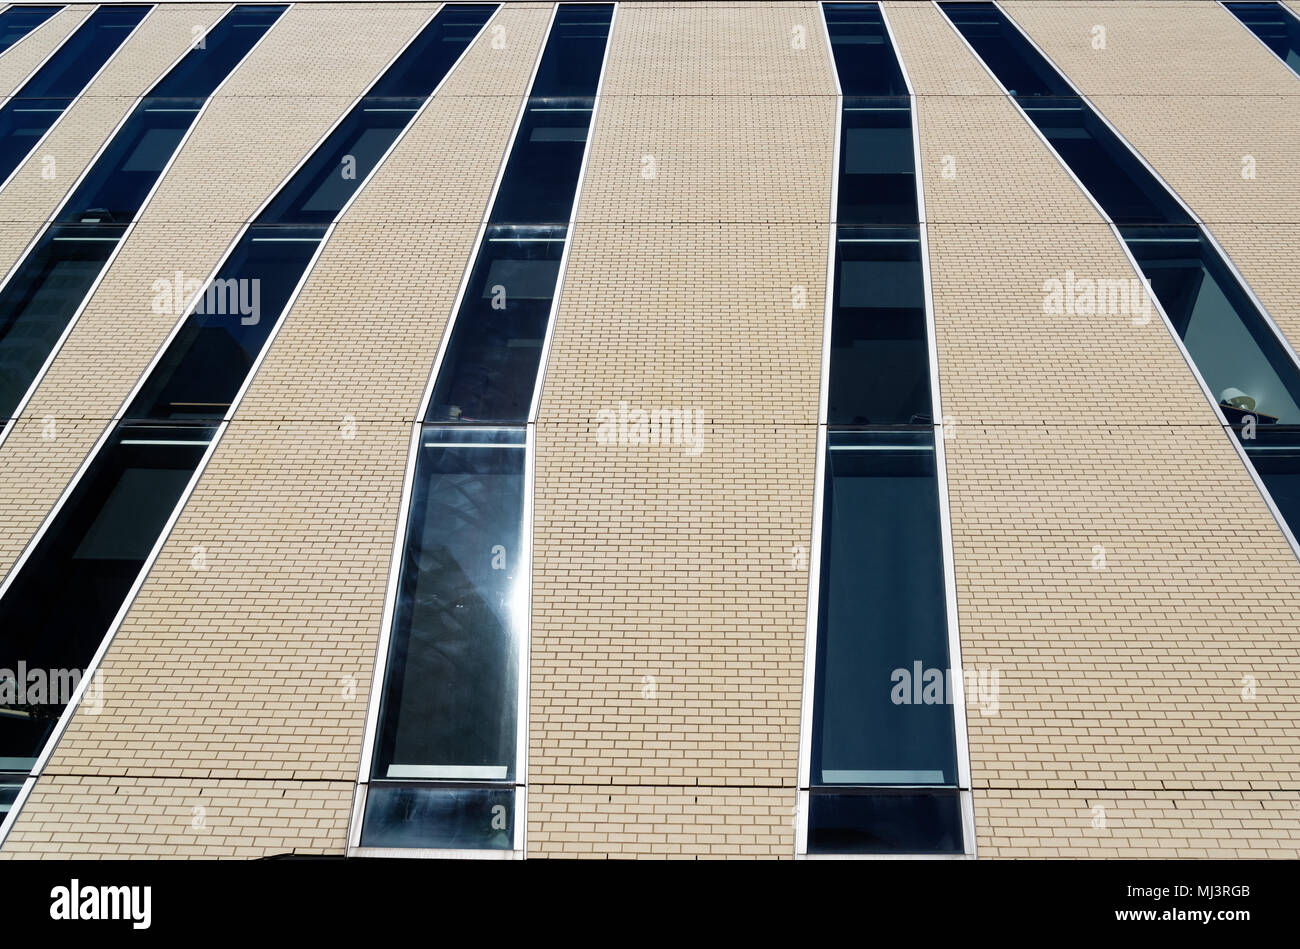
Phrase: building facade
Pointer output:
(1109, 573)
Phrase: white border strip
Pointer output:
(383, 643)
(9, 424)
(945, 519)
(1137, 270)
(58, 8)
(44, 62)
(66, 717)
(1286, 11)
(530, 474)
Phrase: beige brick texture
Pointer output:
(250, 138)
(21, 59)
(1196, 115)
(1145, 707)
(1119, 687)
(242, 688)
(31, 197)
(669, 600)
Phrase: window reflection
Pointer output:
(450, 700)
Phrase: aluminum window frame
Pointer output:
(1137, 270)
(960, 732)
(153, 6)
(58, 8)
(7, 425)
(354, 848)
(92, 668)
(1286, 11)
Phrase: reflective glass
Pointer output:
(205, 364)
(68, 592)
(46, 96)
(864, 58)
(1240, 357)
(883, 708)
(1011, 57)
(451, 686)
(877, 183)
(17, 21)
(1275, 25)
(118, 508)
(53, 279)
(439, 818)
(880, 357)
(40, 298)
(883, 822)
(490, 367)
(340, 165)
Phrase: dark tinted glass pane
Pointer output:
(53, 280)
(206, 363)
(1275, 452)
(229, 40)
(1122, 185)
(882, 712)
(83, 53)
(423, 64)
(1276, 26)
(1240, 357)
(327, 181)
(864, 57)
(439, 818)
(880, 360)
(884, 823)
(490, 368)
(575, 49)
(451, 688)
(877, 172)
(64, 597)
(1011, 57)
(340, 165)
(115, 188)
(45, 97)
(17, 22)
(40, 298)
(10, 785)
(541, 176)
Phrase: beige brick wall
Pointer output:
(252, 676)
(1212, 94)
(18, 61)
(252, 135)
(1118, 687)
(31, 198)
(669, 592)
(668, 597)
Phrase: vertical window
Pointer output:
(1275, 26)
(444, 768)
(882, 759)
(17, 21)
(49, 286)
(1247, 367)
(40, 103)
(104, 531)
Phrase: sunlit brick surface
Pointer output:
(1115, 566)
(1070, 437)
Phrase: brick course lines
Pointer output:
(669, 599)
(252, 676)
(1121, 685)
(115, 817)
(1224, 96)
(240, 150)
(31, 198)
(18, 61)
